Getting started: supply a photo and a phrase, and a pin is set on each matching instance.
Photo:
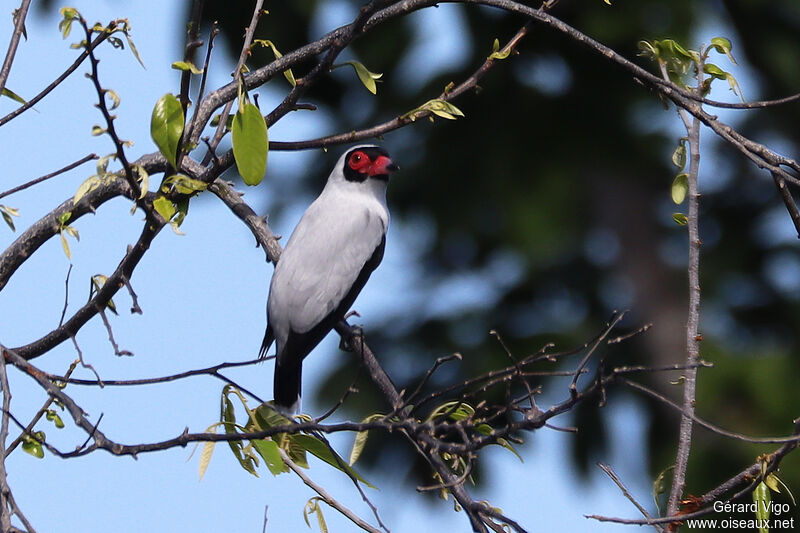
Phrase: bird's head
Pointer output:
(366, 162)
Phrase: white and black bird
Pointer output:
(333, 250)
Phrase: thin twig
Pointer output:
(84, 364)
(19, 27)
(625, 492)
(66, 296)
(31, 183)
(243, 54)
(330, 500)
(5, 490)
(693, 314)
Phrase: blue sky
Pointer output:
(203, 296)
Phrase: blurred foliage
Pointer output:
(552, 199)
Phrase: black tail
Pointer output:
(269, 336)
(288, 375)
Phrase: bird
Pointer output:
(331, 253)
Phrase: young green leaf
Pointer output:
(187, 66)
(438, 107)
(98, 280)
(775, 483)
(144, 179)
(7, 213)
(679, 155)
(206, 453)
(660, 487)
(114, 97)
(14, 96)
(680, 187)
(761, 497)
(68, 14)
(321, 451)
(286, 73)
(496, 53)
(166, 126)
(717, 73)
(361, 440)
(443, 109)
(32, 446)
(269, 451)
(367, 78)
(184, 184)
(312, 507)
(164, 207)
(86, 187)
(134, 51)
(723, 46)
(680, 219)
(250, 143)
(53, 417)
(65, 245)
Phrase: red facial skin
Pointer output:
(360, 162)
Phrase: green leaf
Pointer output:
(86, 187)
(228, 418)
(680, 219)
(436, 106)
(496, 53)
(361, 440)
(166, 126)
(269, 451)
(63, 218)
(184, 184)
(717, 73)
(714, 71)
(73, 232)
(98, 130)
(679, 155)
(321, 451)
(183, 210)
(286, 73)
(505, 444)
(134, 51)
(14, 96)
(723, 46)
(68, 14)
(53, 417)
(761, 497)
(250, 143)
(442, 109)
(143, 179)
(187, 66)
(206, 453)
(7, 213)
(647, 49)
(164, 207)
(114, 98)
(32, 446)
(775, 483)
(680, 187)
(367, 78)
(98, 280)
(660, 487)
(65, 245)
(312, 507)
(266, 417)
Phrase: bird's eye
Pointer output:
(358, 161)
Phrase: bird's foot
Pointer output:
(355, 332)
